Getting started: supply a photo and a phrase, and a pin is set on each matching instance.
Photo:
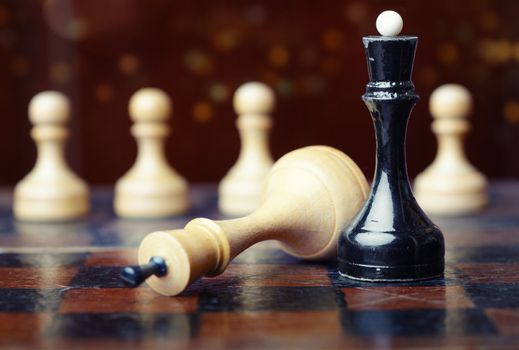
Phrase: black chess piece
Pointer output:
(391, 239)
(133, 276)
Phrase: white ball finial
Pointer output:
(254, 98)
(450, 101)
(49, 107)
(389, 23)
(149, 105)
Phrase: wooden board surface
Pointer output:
(59, 288)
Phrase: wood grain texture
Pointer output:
(68, 293)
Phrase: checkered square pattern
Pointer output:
(73, 298)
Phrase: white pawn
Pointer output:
(240, 190)
(51, 191)
(451, 185)
(151, 188)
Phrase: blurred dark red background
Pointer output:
(99, 52)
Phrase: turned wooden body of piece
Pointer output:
(310, 195)
(151, 188)
(239, 192)
(451, 185)
(51, 191)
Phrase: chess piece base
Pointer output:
(452, 204)
(154, 200)
(42, 202)
(391, 273)
(451, 194)
(392, 256)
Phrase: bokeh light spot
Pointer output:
(494, 52)
(284, 87)
(225, 40)
(255, 14)
(202, 112)
(278, 55)
(465, 33)
(313, 85)
(218, 92)
(489, 21)
(104, 92)
(198, 62)
(448, 53)
(356, 12)
(4, 16)
(128, 64)
(515, 52)
(77, 28)
(511, 112)
(332, 39)
(60, 72)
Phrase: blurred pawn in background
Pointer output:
(309, 54)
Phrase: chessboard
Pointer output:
(60, 288)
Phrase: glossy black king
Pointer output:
(391, 239)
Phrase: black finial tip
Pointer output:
(133, 276)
